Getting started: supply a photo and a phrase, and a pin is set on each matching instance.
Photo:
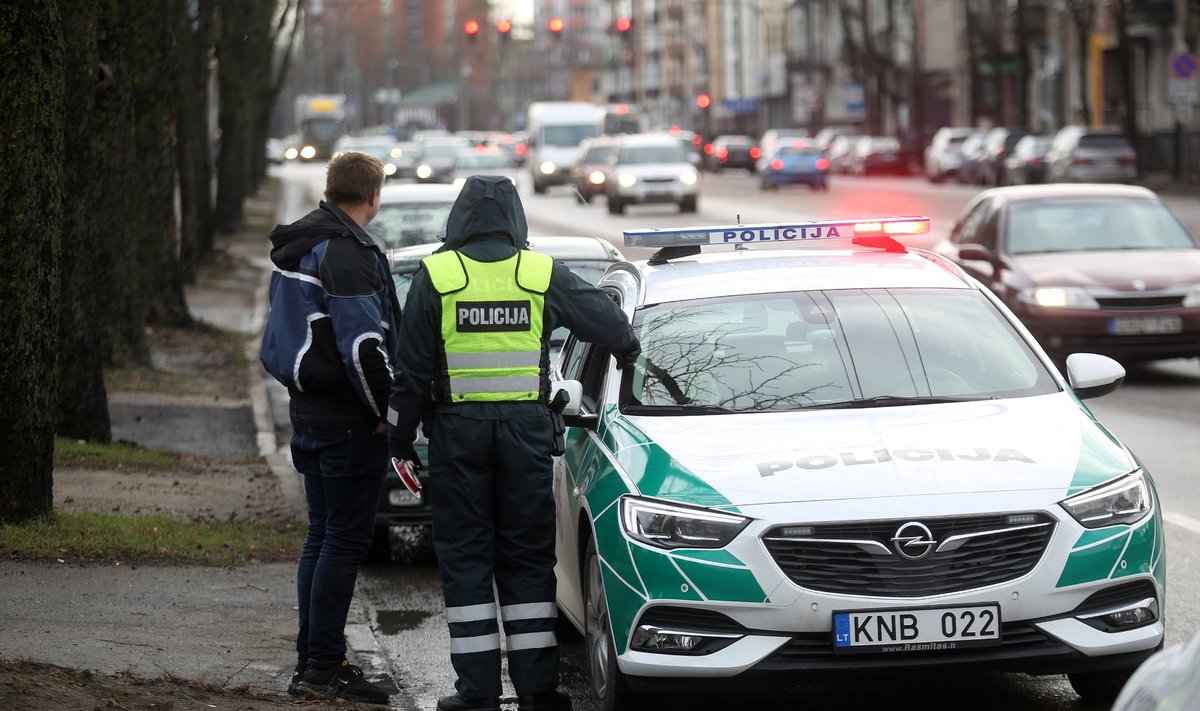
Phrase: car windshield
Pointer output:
(407, 223)
(569, 135)
(441, 150)
(477, 161)
(1092, 225)
(633, 155)
(827, 349)
(598, 154)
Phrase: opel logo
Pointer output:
(913, 540)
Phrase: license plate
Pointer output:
(916, 630)
(1145, 325)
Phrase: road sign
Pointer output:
(1183, 64)
(1182, 82)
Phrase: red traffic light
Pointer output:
(623, 24)
(556, 25)
(471, 27)
(504, 27)
(703, 101)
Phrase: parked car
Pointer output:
(1081, 154)
(997, 146)
(732, 151)
(841, 461)
(412, 213)
(841, 153)
(651, 168)
(879, 154)
(943, 156)
(591, 168)
(971, 151)
(1099, 268)
(826, 136)
(1026, 164)
(792, 163)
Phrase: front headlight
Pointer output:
(627, 180)
(308, 152)
(424, 171)
(688, 177)
(291, 154)
(664, 525)
(1058, 297)
(1192, 300)
(596, 177)
(397, 153)
(1126, 500)
(389, 168)
(547, 168)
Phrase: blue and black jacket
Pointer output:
(331, 334)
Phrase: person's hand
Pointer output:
(628, 355)
(400, 449)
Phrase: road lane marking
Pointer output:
(1182, 520)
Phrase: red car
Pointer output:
(1103, 269)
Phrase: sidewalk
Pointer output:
(226, 626)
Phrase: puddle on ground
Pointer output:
(393, 622)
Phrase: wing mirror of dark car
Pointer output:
(975, 252)
(1093, 375)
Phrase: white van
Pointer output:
(556, 128)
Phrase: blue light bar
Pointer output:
(790, 232)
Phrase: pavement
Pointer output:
(228, 626)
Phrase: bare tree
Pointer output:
(31, 186)
(195, 21)
(1083, 18)
(1120, 15)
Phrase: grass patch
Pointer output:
(119, 455)
(101, 538)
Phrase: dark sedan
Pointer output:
(1095, 268)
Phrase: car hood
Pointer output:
(654, 170)
(1156, 269)
(1047, 442)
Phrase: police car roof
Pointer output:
(765, 271)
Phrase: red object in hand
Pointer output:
(408, 476)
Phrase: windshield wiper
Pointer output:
(894, 401)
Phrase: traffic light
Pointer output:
(703, 101)
(623, 25)
(556, 25)
(471, 28)
(504, 27)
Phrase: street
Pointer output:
(1156, 413)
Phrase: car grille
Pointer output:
(658, 180)
(862, 558)
(1117, 303)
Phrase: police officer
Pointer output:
(474, 337)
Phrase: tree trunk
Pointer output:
(1022, 77)
(31, 188)
(1128, 83)
(82, 399)
(235, 67)
(195, 43)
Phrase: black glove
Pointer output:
(628, 355)
(398, 448)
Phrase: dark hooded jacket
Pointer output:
(487, 224)
(330, 336)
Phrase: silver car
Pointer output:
(1080, 154)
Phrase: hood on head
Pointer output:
(487, 205)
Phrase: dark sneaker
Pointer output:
(556, 700)
(461, 703)
(343, 682)
(294, 685)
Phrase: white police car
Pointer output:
(834, 459)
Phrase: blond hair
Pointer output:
(352, 178)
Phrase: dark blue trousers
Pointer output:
(343, 462)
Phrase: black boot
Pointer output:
(342, 682)
(455, 702)
(556, 700)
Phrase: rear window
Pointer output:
(792, 152)
(1106, 141)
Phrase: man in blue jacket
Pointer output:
(479, 316)
(330, 339)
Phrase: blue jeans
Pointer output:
(342, 460)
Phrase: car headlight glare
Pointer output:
(308, 152)
(397, 153)
(389, 168)
(1192, 300)
(664, 525)
(1058, 297)
(424, 171)
(547, 168)
(1124, 501)
(596, 177)
(627, 180)
(291, 154)
(688, 177)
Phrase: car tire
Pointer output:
(1100, 686)
(688, 204)
(610, 688)
(539, 188)
(381, 546)
(616, 206)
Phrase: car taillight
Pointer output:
(1080, 161)
(756, 153)
(722, 154)
(1127, 160)
(708, 149)
(1035, 161)
(522, 149)
(822, 164)
(776, 164)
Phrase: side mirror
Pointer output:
(1093, 375)
(975, 252)
(574, 393)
